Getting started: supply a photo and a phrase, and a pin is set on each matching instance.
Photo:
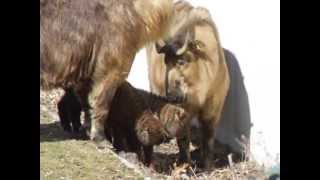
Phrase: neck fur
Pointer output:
(156, 16)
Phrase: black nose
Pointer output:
(175, 98)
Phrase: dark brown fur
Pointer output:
(138, 120)
(69, 110)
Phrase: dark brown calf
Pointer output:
(137, 120)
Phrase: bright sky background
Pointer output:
(250, 29)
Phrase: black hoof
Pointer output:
(183, 160)
(85, 131)
(206, 165)
(66, 128)
(76, 129)
(81, 135)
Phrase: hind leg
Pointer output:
(106, 79)
(81, 93)
(65, 121)
(100, 99)
(74, 110)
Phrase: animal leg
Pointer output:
(74, 109)
(184, 148)
(119, 143)
(147, 155)
(75, 120)
(63, 113)
(207, 145)
(100, 99)
(82, 92)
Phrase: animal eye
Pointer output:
(181, 62)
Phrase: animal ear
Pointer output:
(196, 45)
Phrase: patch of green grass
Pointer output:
(45, 117)
(80, 160)
(65, 159)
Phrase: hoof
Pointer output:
(206, 165)
(81, 135)
(97, 136)
(66, 128)
(76, 129)
(184, 160)
(84, 132)
(103, 144)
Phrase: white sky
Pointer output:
(250, 29)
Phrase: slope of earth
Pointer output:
(63, 157)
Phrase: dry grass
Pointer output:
(80, 160)
(62, 157)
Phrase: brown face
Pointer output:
(182, 72)
(174, 119)
(149, 129)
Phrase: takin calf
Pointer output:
(137, 120)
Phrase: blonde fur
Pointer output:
(205, 78)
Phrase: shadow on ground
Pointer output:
(164, 161)
(53, 132)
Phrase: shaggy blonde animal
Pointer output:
(191, 65)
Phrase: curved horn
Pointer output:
(185, 45)
(160, 45)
